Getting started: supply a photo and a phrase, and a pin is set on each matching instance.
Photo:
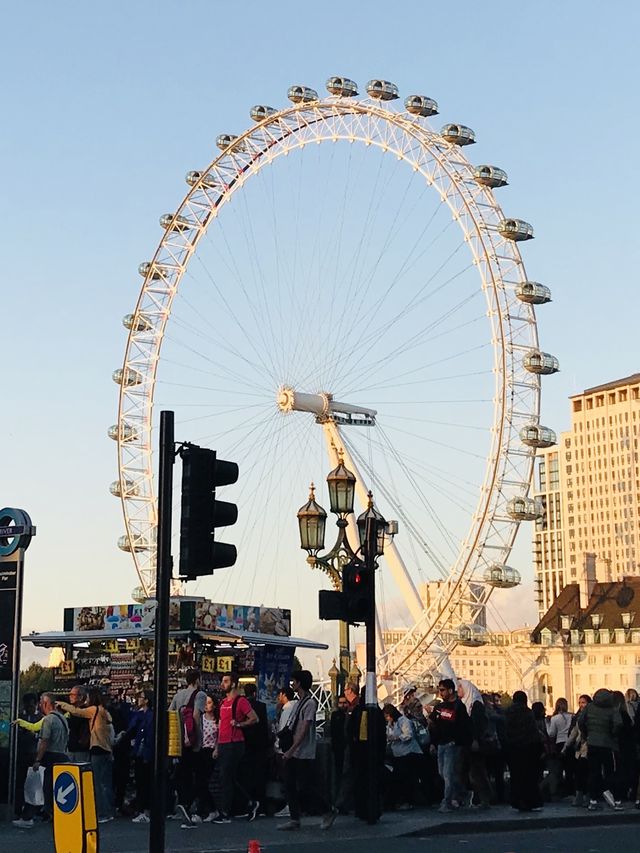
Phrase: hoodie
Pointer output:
(601, 722)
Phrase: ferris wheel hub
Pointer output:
(324, 407)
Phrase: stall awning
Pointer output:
(61, 638)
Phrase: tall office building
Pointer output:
(589, 486)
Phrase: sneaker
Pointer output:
(253, 810)
(105, 819)
(195, 818)
(637, 804)
(211, 817)
(22, 824)
(222, 818)
(286, 813)
(617, 806)
(289, 826)
(445, 808)
(593, 806)
(609, 799)
(141, 818)
(182, 814)
(329, 819)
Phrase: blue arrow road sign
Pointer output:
(65, 793)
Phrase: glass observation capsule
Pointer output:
(420, 105)
(176, 222)
(342, 87)
(534, 435)
(127, 377)
(533, 292)
(226, 140)
(542, 363)
(490, 176)
(139, 595)
(261, 111)
(501, 577)
(130, 489)
(471, 635)
(125, 432)
(137, 322)
(515, 229)
(382, 90)
(458, 134)
(195, 177)
(524, 509)
(302, 94)
(154, 271)
(125, 544)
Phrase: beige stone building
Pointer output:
(589, 487)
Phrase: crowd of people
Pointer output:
(462, 749)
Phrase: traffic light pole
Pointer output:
(371, 698)
(161, 656)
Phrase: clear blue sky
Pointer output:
(106, 106)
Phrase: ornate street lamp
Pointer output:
(312, 520)
(342, 487)
(380, 526)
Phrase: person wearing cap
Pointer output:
(411, 706)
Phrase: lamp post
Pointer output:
(372, 528)
(312, 520)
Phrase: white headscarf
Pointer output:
(470, 693)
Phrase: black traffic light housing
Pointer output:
(355, 604)
(202, 512)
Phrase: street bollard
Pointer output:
(75, 825)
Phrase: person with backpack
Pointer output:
(406, 753)
(190, 703)
(52, 747)
(236, 715)
(298, 744)
(101, 742)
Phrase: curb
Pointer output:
(523, 823)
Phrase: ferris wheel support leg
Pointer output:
(391, 554)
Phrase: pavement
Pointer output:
(480, 829)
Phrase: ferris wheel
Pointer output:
(339, 282)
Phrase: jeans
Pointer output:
(102, 766)
(299, 780)
(230, 758)
(449, 757)
(601, 770)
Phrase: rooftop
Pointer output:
(607, 600)
(617, 383)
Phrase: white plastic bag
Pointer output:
(33, 787)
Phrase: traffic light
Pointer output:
(355, 603)
(202, 472)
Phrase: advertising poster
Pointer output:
(274, 620)
(115, 617)
(274, 673)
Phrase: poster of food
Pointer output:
(115, 617)
(274, 620)
(211, 616)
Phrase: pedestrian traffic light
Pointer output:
(202, 512)
(355, 603)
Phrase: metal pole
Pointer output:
(345, 657)
(161, 655)
(371, 698)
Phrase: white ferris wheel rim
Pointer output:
(501, 269)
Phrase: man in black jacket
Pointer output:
(450, 730)
(256, 741)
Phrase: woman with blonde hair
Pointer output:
(100, 748)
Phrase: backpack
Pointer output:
(187, 721)
(421, 734)
(286, 735)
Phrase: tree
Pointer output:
(296, 666)
(36, 679)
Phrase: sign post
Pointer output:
(16, 531)
(75, 825)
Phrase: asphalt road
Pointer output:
(551, 832)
